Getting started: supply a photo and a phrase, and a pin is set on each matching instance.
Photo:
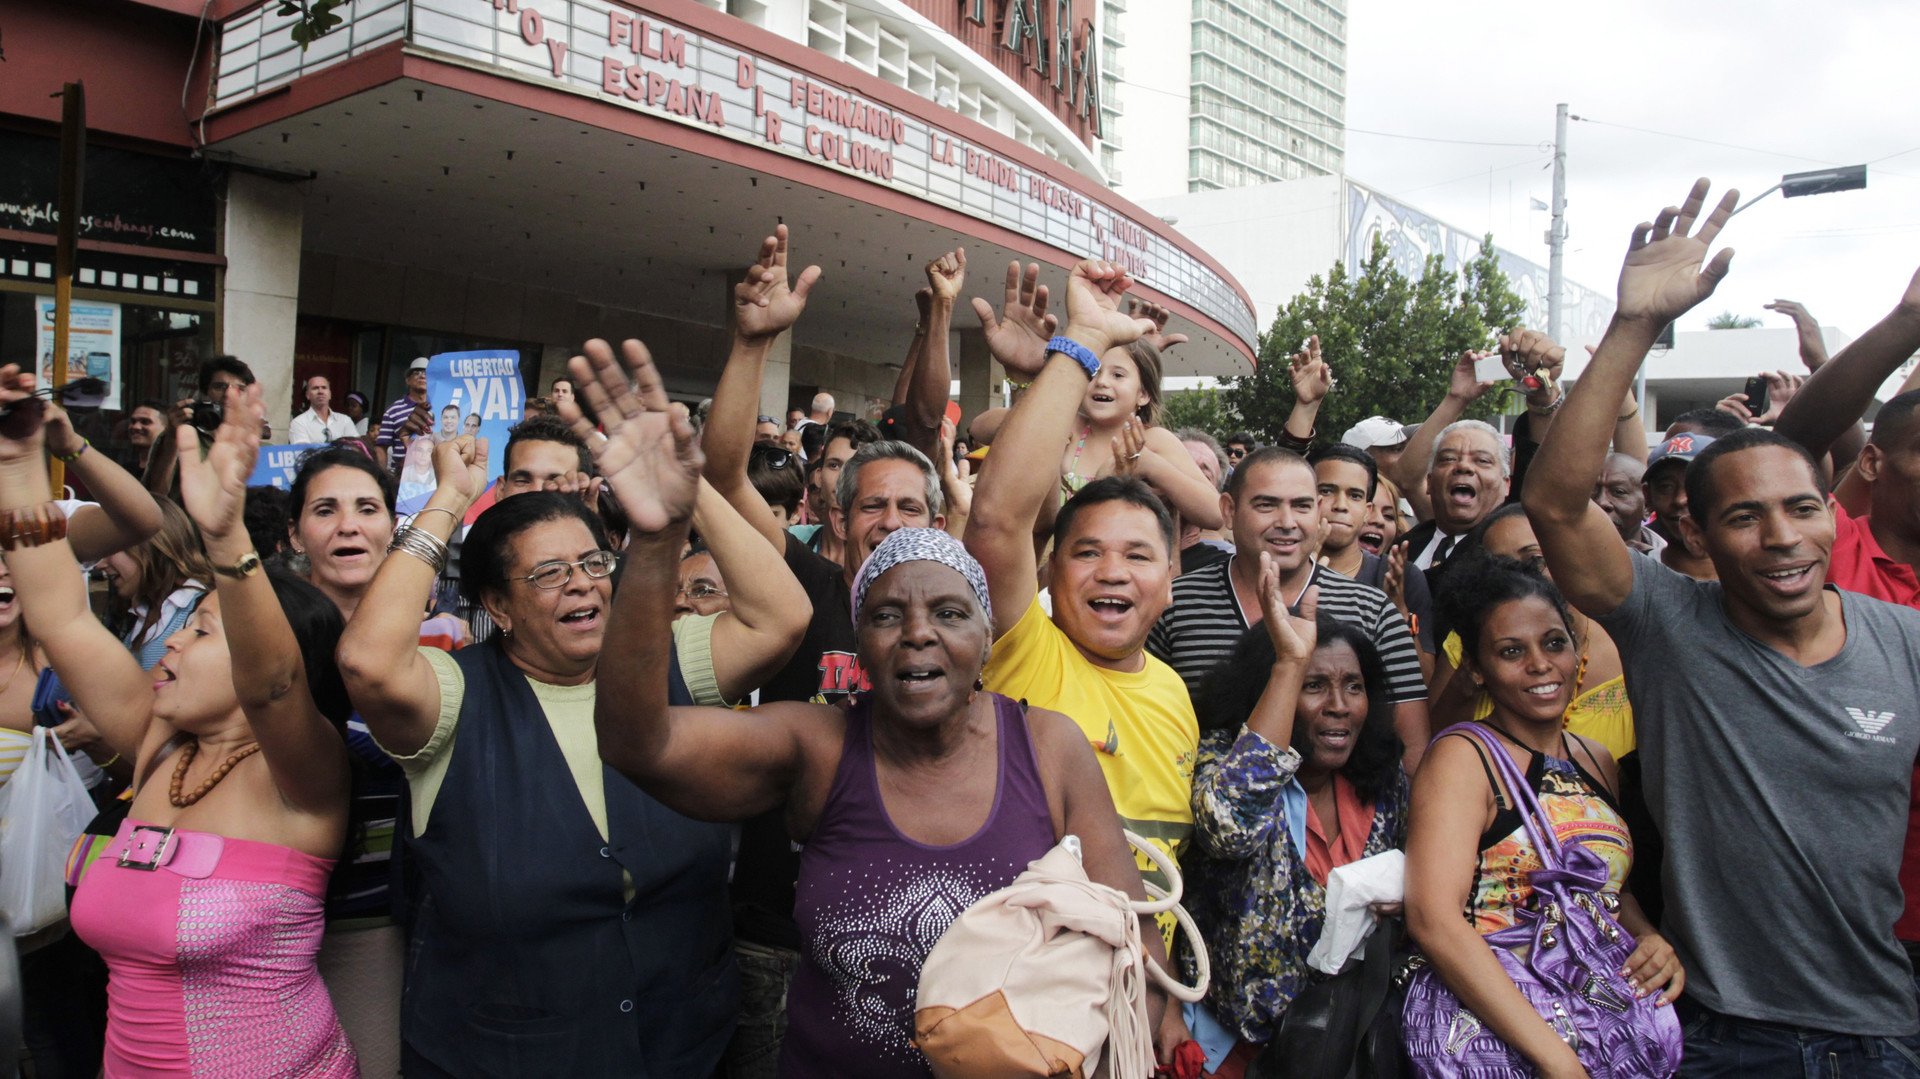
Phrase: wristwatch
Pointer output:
(248, 565)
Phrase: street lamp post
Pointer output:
(1818, 182)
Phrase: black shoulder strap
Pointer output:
(1499, 799)
(1594, 775)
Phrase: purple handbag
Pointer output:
(1573, 950)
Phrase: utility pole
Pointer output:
(1557, 231)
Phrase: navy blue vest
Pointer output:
(525, 958)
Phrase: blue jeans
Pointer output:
(1725, 1047)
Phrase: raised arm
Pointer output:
(1410, 472)
(1663, 278)
(769, 612)
(956, 492)
(1813, 346)
(764, 307)
(1838, 393)
(1312, 379)
(1234, 793)
(923, 300)
(1013, 486)
(105, 679)
(126, 515)
(303, 751)
(391, 684)
(927, 394)
(706, 763)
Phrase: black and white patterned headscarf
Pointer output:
(921, 545)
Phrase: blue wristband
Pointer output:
(1077, 352)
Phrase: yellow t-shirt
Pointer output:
(1141, 724)
(1603, 713)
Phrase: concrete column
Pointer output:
(260, 237)
(777, 384)
(553, 364)
(977, 381)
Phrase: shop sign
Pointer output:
(93, 344)
(130, 198)
(637, 60)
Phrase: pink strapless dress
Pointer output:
(210, 946)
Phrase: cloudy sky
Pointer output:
(1779, 86)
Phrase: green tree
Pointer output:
(316, 18)
(1205, 409)
(1727, 320)
(1391, 341)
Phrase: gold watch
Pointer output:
(248, 565)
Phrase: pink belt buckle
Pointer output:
(189, 854)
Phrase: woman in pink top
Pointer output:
(207, 904)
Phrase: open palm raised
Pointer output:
(213, 488)
(649, 457)
(1664, 276)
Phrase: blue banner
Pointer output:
(277, 464)
(469, 393)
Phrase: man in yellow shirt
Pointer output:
(1111, 571)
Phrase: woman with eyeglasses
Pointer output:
(566, 923)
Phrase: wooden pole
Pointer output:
(73, 160)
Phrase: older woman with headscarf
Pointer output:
(921, 797)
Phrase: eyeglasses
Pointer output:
(1235, 453)
(766, 419)
(598, 565)
(699, 590)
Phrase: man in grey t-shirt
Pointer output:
(1778, 718)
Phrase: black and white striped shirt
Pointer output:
(1204, 622)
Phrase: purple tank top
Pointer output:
(871, 903)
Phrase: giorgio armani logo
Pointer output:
(1870, 724)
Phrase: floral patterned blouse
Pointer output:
(1248, 888)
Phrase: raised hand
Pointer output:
(946, 275)
(1535, 361)
(1312, 378)
(1463, 385)
(1667, 271)
(1094, 318)
(62, 439)
(1128, 445)
(650, 458)
(1018, 338)
(1158, 337)
(1813, 347)
(1293, 635)
(765, 305)
(22, 417)
(213, 487)
(460, 467)
(1781, 386)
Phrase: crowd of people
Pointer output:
(365, 811)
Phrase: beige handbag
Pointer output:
(1037, 978)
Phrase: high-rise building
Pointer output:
(1261, 97)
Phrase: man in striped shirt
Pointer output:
(1273, 504)
(404, 419)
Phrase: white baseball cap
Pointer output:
(1376, 431)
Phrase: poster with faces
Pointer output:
(477, 393)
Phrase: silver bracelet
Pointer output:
(421, 544)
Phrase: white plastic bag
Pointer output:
(45, 808)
